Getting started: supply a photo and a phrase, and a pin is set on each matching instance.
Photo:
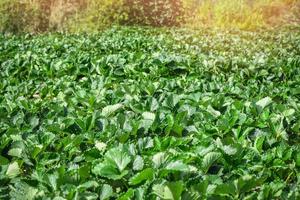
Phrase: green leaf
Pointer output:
(148, 116)
(88, 184)
(13, 170)
(34, 122)
(138, 163)
(158, 159)
(229, 150)
(146, 174)
(259, 141)
(106, 192)
(16, 152)
(225, 189)
(148, 119)
(297, 159)
(176, 189)
(172, 100)
(179, 166)
(111, 109)
(170, 191)
(213, 112)
(127, 195)
(140, 193)
(118, 157)
(3, 160)
(247, 183)
(209, 159)
(108, 171)
(288, 112)
(22, 190)
(261, 104)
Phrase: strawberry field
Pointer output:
(150, 113)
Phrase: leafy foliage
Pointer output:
(138, 113)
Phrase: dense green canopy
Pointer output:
(136, 113)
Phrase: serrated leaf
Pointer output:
(16, 152)
(179, 166)
(127, 195)
(148, 119)
(288, 112)
(158, 159)
(225, 189)
(109, 110)
(106, 192)
(108, 171)
(145, 175)
(176, 189)
(22, 190)
(34, 122)
(88, 184)
(118, 157)
(261, 104)
(148, 116)
(140, 193)
(213, 112)
(246, 183)
(170, 191)
(13, 170)
(209, 159)
(229, 150)
(138, 163)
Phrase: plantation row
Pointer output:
(137, 113)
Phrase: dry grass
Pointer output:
(92, 15)
(244, 14)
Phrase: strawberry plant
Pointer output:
(140, 113)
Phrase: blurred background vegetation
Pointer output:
(36, 16)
